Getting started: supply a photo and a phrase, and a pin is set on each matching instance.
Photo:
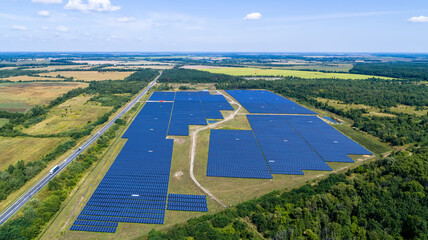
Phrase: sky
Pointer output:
(214, 26)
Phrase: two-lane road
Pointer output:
(21, 201)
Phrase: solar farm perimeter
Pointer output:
(285, 138)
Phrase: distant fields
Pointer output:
(70, 115)
(30, 78)
(235, 71)
(13, 149)
(89, 75)
(19, 97)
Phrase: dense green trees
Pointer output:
(386, 199)
(412, 70)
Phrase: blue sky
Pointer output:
(216, 26)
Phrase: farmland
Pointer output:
(22, 96)
(25, 78)
(70, 115)
(24, 148)
(89, 75)
(285, 73)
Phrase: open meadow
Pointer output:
(13, 149)
(73, 114)
(19, 97)
(89, 75)
(237, 71)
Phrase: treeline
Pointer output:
(37, 214)
(417, 71)
(194, 76)
(17, 72)
(386, 199)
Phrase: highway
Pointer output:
(23, 199)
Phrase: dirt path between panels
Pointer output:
(194, 141)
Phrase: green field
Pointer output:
(235, 71)
(3, 121)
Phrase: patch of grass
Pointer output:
(318, 67)
(293, 73)
(19, 97)
(3, 121)
(411, 110)
(73, 114)
(369, 142)
(90, 75)
(13, 149)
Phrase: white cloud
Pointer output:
(62, 29)
(253, 16)
(47, 1)
(126, 19)
(419, 19)
(91, 5)
(19, 27)
(43, 13)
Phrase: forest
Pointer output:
(404, 70)
(385, 199)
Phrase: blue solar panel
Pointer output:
(329, 143)
(182, 202)
(162, 96)
(93, 229)
(263, 101)
(285, 150)
(136, 185)
(95, 223)
(236, 153)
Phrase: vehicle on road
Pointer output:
(54, 169)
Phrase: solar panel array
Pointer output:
(212, 105)
(263, 101)
(162, 96)
(135, 187)
(331, 144)
(285, 150)
(236, 153)
(182, 202)
(194, 108)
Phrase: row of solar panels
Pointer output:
(135, 187)
(191, 108)
(263, 101)
(183, 202)
(236, 153)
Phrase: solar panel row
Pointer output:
(285, 150)
(329, 143)
(93, 229)
(193, 108)
(182, 202)
(162, 96)
(135, 187)
(263, 101)
(95, 223)
(236, 153)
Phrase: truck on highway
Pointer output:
(54, 169)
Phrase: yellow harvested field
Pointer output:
(90, 75)
(22, 96)
(136, 67)
(70, 115)
(30, 78)
(13, 149)
(59, 67)
(236, 71)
